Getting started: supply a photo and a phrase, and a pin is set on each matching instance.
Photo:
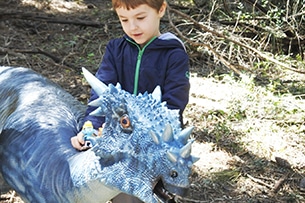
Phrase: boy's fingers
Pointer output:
(75, 143)
(83, 148)
(80, 138)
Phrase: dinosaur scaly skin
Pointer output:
(142, 142)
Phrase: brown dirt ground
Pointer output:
(57, 38)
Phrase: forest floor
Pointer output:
(246, 155)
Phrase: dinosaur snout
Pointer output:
(166, 194)
(181, 191)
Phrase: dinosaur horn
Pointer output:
(185, 152)
(98, 86)
(97, 112)
(192, 161)
(185, 134)
(97, 102)
(113, 89)
(118, 86)
(195, 159)
(167, 135)
(154, 137)
(156, 94)
(172, 156)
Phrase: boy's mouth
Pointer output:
(137, 35)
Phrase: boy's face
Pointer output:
(141, 23)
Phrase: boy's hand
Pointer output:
(78, 142)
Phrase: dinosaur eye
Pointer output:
(174, 174)
(124, 121)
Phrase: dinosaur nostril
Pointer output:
(174, 174)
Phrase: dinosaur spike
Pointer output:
(97, 112)
(97, 102)
(167, 135)
(98, 86)
(185, 134)
(118, 86)
(154, 137)
(195, 159)
(156, 94)
(113, 89)
(185, 152)
(172, 156)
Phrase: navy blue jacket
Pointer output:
(163, 61)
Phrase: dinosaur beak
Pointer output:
(165, 196)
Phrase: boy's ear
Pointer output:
(162, 9)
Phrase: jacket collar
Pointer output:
(168, 40)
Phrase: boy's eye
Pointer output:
(124, 20)
(140, 18)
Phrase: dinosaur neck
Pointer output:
(111, 169)
(85, 170)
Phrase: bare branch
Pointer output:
(234, 40)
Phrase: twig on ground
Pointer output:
(192, 200)
(38, 51)
(35, 17)
(256, 180)
(279, 183)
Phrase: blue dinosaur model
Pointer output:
(142, 150)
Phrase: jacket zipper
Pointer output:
(138, 65)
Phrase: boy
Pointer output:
(142, 59)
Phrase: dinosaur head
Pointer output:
(142, 143)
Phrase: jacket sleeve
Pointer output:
(177, 85)
(107, 74)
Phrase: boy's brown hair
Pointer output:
(131, 4)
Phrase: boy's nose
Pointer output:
(133, 26)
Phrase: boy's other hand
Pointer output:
(78, 142)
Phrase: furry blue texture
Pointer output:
(142, 143)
